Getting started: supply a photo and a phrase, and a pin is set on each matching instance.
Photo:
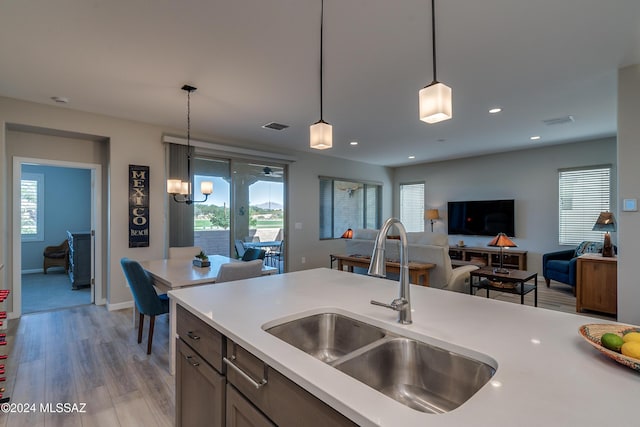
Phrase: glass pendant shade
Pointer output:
(435, 103)
(174, 186)
(185, 188)
(206, 187)
(321, 135)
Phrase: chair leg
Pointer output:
(140, 325)
(548, 282)
(152, 321)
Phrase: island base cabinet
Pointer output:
(200, 390)
(284, 402)
(241, 413)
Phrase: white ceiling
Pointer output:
(257, 61)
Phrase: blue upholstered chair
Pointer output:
(145, 296)
(561, 265)
(253, 253)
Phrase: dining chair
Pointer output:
(253, 253)
(239, 270)
(275, 256)
(240, 248)
(184, 252)
(145, 296)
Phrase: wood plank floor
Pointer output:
(88, 355)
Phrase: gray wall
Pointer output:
(529, 177)
(629, 222)
(304, 205)
(67, 196)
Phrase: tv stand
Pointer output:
(464, 255)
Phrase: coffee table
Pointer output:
(513, 282)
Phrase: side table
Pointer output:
(512, 283)
(597, 284)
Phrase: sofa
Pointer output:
(561, 265)
(422, 247)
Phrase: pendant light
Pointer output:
(176, 187)
(435, 99)
(321, 132)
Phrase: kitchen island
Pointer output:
(546, 374)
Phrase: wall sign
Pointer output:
(138, 206)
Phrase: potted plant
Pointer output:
(201, 260)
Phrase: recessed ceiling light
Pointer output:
(60, 99)
(412, 157)
(495, 110)
(353, 143)
(535, 138)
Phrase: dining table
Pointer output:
(176, 273)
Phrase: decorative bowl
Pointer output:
(592, 333)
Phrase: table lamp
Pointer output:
(432, 215)
(347, 234)
(606, 222)
(501, 241)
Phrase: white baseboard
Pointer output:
(120, 305)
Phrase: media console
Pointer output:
(513, 258)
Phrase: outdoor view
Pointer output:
(265, 216)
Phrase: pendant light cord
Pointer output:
(189, 142)
(321, 55)
(433, 38)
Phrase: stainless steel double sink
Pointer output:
(421, 376)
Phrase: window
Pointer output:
(583, 194)
(31, 207)
(348, 204)
(412, 206)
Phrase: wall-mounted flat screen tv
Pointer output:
(481, 217)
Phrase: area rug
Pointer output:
(42, 292)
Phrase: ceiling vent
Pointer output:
(559, 120)
(275, 126)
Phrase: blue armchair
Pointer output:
(561, 265)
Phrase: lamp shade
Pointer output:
(432, 214)
(605, 222)
(185, 188)
(435, 103)
(347, 234)
(502, 241)
(206, 187)
(174, 186)
(321, 135)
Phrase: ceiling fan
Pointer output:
(267, 171)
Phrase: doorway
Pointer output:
(34, 228)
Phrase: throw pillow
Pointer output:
(587, 247)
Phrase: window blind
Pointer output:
(583, 194)
(412, 206)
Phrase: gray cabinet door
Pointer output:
(241, 413)
(200, 390)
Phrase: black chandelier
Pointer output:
(177, 187)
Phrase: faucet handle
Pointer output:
(397, 304)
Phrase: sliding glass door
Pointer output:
(245, 210)
(259, 213)
(212, 218)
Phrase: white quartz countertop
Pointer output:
(546, 373)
